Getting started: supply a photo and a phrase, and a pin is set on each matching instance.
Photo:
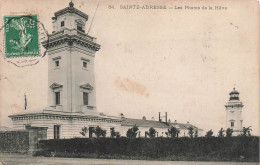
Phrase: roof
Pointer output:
(155, 124)
(234, 91)
(143, 123)
(183, 126)
(65, 114)
(70, 9)
(124, 121)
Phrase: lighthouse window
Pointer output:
(57, 98)
(84, 64)
(85, 98)
(57, 63)
(232, 124)
(62, 24)
(80, 28)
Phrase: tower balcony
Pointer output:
(234, 104)
(70, 36)
(71, 32)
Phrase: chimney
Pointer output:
(153, 118)
(159, 116)
(122, 115)
(165, 117)
(144, 118)
(175, 121)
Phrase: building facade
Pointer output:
(71, 81)
(234, 118)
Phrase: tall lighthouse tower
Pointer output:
(234, 107)
(71, 52)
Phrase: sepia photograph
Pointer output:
(131, 82)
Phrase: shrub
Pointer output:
(184, 148)
(246, 131)
(84, 131)
(132, 132)
(191, 132)
(99, 132)
(173, 131)
(118, 135)
(209, 133)
(113, 133)
(196, 133)
(229, 132)
(152, 132)
(221, 132)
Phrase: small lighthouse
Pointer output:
(234, 118)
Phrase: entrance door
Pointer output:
(91, 131)
(56, 132)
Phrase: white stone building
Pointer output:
(234, 118)
(71, 79)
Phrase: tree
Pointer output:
(132, 132)
(196, 133)
(221, 132)
(191, 132)
(84, 131)
(118, 135)
(113, 133)
(99, 132)
(129, 133)
(246, 131)
(152, 132)
(209, 133)
(103, 133)
(229, 132)
(173, 131)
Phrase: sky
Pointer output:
(183, 62)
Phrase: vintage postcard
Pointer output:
(129, 81)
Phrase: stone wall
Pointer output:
(22, 141)
(14, 141)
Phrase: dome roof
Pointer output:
(234, 91)
(70, 9)
(71, 4)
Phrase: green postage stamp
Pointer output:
(22, 39)
(21, 36)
